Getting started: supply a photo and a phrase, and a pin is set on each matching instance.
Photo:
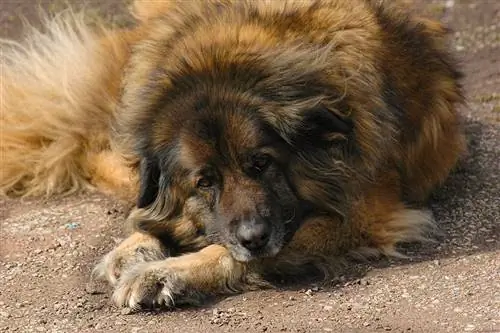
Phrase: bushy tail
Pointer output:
(57, 99)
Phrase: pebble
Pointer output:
(469, 328)
(72, 225)
(364, 282)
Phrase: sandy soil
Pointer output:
(48, 247)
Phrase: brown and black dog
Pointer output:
(257, 138)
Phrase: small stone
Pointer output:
(469, 328)
(309, 292)
(4, 314)
(91, 288)
(327, 307)
(72, 226)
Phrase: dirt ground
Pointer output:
(48, 247)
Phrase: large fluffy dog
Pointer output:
(257, 138)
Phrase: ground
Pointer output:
(48, 247)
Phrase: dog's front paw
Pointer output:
(151, 285)
(180, 280)
(135, 249)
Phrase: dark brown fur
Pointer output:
(329, 122)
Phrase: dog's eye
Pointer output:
(204, 182)
(260, 162)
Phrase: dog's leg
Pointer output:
(181, 280)
(137, 248)
(152, 240)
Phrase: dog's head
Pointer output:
(257, 143)
(236, 168)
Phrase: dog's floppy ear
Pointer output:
(323, 125)
(159, 202)
(149, 181)
(309, 122)
(326, 122)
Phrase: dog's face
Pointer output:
(238, 168)
(228, 161)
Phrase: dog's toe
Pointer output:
(136, 249)
(145, 286)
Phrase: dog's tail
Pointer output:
(57, 99)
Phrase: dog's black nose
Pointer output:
(253, 234)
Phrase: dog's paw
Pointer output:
(152, 285)
(135, 249)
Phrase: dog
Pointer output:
(257, 139)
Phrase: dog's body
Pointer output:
(257, 137)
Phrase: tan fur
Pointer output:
(58, 95)
(211, 270)
(73, 101)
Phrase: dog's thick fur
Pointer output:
(355, 98)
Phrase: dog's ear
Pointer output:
(325, 121)
(149, 181)
(323, 125)
(159, 202)
(309, 122)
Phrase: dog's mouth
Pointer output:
(242, 254)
